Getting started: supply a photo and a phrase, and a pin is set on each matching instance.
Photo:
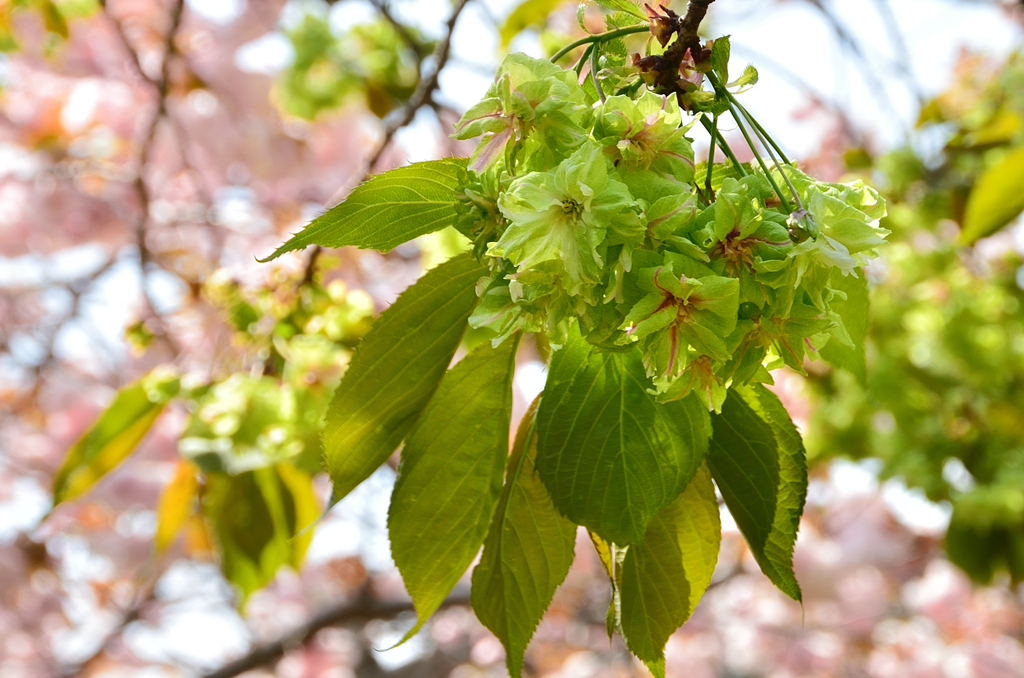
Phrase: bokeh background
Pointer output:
(152, 150)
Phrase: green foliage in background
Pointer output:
(372, 61)
(944, 393)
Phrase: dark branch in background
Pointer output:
(365, 608)
(867, 69)
(421, 97)
(161, 85)
(143, 598)
(402, 30)
(902, 62)
(77, 289)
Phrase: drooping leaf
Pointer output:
(177, 504)
(996, 199)
(255, 518)
(388, 210)
(450, 477)
(115, 434)
(610, 455)
(527, 14)
(854, 312)
(664, 577)
(527, 553)
(757, 459)
(395, 370)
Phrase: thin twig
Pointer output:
(402, 30)
(421, 97)
(161, 85)
(363, 609)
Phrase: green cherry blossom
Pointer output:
(564, 217)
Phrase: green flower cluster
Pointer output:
(586, 212)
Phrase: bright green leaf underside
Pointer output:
(527, 553)
(395, 370)
(450, 477)
(388, 210)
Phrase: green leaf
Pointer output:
(450, 477)
(527, 553)
(610, 455)
(115, 434)
(626, 6)
(757, 459)
(854, 312)
(720, 52)
(255, 518)
(528, 13)
(996, 199)
(395, 370)
(388, 210)
(664, 577)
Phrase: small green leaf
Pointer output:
(720, 52)
(757, 459)
(996, 199)
(255, 518)
(388, 210)
(664, 577)
(395, 370)
(610, 455)
(115, 434)
(626, 6)
(581, 9)
(450, 477)
(527, 553)
(854, 312)
(747, 80)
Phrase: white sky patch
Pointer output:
(912, 508)
(269, 54)
(419, 138)
(529, 379)
(80, 107)
(217, 11)
(23, 507)
(60, 267)
(344, 15)
(357, 525)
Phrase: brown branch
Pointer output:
(365, 608)
(144, 596)
(421, 97)
(403, 31)
(161, 85)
